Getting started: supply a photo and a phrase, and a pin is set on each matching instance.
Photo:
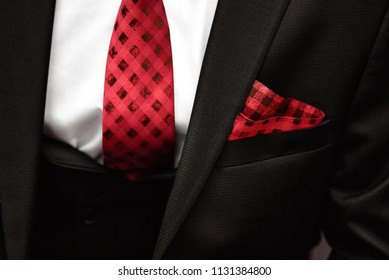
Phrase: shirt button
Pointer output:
(89, 216)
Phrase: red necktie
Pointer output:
(138, 115)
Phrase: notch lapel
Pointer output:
(26, 35)
(241, 35)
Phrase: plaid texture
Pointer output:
(138, 115)
(265, 112)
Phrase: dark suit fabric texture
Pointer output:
(265, 197)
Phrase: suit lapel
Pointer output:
(241, 34)
(26, 35)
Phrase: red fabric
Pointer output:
(138, 115)
(265, 112)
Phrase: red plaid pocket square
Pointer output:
(265, 112)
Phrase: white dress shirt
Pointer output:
(81, 36)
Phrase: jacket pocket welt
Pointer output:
(268, 146)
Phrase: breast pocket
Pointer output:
(268, 146)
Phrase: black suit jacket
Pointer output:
(242, 198)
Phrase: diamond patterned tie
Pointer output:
(138, 115)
